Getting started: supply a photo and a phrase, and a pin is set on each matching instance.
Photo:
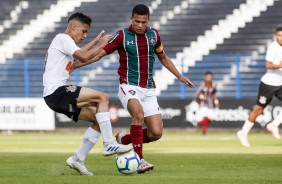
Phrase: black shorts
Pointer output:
(63, 100)
(266, 93)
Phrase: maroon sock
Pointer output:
(206, 123)
(137, 139)
(201, 122)
(145, 136)
(204, 129)
(126, 139)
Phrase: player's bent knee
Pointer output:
(138, 118)
(154, 136)
(104, 98)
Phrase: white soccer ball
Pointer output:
(127, 163)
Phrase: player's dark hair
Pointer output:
(278, 29)
(208, 73)
(81, 18)
(141, 9)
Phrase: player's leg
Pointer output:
(204, 123)
(154, 129)
(150, 134)
(154, 124)
(129, 98)
(91, 135)
(264, 97)
(90, 138)
(273, 126)
(138, 135)
(151, 113)
(63, 100)
(137, 119)
(243, 133)
(91, 97)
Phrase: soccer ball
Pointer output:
(127, 163)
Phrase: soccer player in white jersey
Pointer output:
(270, 86)
(78, 103)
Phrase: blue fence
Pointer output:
(23, 77)
(243, 73)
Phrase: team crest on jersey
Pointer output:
(132, 92)
(152, 40)
(71, 88)
(130, 42)
(262, 99)
(70, 108)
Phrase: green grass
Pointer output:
(179, 157)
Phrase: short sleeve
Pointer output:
(114, 43)
(270, 53)
(68, 45)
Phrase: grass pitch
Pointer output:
(179, 157)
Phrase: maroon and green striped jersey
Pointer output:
(136, 55)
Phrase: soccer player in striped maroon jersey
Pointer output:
(207, 100)
(137, 46)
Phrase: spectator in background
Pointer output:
(207, 100)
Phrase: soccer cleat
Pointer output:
(243, 138)
(112, 149)
(144, 166)
(80, 168)
(120, 135)
(274, 130)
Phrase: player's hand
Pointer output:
(104, 41)
(97, 38)
(186, 81)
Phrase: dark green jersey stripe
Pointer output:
(132, 57)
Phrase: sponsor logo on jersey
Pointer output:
(130, 42)
(132, 92)
(71, 88)
(69, 65)
(152, 40)
(262, 99)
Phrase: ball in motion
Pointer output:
(127, 163)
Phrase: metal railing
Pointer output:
(25, 72)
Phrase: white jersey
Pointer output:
(274, 55)
(58, 63)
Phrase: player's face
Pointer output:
(139, 23)
(208, 78)
(278, 36)
(79, 32)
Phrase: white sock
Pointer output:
(90, 138)
(103, 119)
(247, 126)
(276, 122)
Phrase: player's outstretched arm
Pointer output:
(84, 56)
(166, 61)
(78, 64)
(270, 65)
(93, 42)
